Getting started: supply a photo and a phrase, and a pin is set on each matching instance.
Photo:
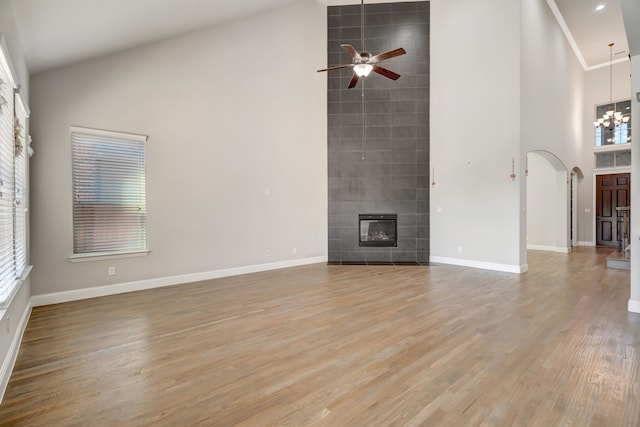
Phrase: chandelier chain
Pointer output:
(611, 73)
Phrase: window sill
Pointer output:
(25, 273)
(100, 256)
(611, 147)
(16, 287)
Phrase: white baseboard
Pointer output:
(549, 248)
(634, 306)
(586, 243)
(120, 288)
(10, 360)
(480, 264)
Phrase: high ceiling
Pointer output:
(59, 32)
(594, 29)
(54, 33)
(631, 14)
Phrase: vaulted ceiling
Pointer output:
(56, 33)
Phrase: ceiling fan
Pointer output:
(363, 62)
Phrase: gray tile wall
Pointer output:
(383, 166)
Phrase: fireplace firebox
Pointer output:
(379, 230)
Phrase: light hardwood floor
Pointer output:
(342, 346)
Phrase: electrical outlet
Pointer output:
(295, 250)
(8, 324)
(111, 271)
(267, 253)
(459, 249)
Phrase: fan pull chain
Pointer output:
(362, 23)
(364, 131)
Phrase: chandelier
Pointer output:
(611, 118)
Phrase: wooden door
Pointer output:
(611, 191)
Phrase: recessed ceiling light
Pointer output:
(599, 7)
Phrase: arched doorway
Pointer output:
(549, 202)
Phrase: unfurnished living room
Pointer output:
(319, 213)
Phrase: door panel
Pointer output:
(611, 191)
(622, 199)
(606, 235)
(606, 207)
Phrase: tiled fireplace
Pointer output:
(379, 156)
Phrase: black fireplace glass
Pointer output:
(379, 230)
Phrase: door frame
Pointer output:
(574, 209)
(596, 173)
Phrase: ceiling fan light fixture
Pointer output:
(362, 70)
(363, 63)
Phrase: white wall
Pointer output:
(9, 31)
(552, 88)
(547, 205)
(229, 111)
(631, 15)
(475, 132)
(500, 88)
(552, 112)
(634, 298)
(14, 317)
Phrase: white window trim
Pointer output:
(612, 147)
(609, 171)
(108, 133)
(100, 256)
(22, 276)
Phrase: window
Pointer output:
(14, 142)
(613, 135)
(613, 159)
(109, 203)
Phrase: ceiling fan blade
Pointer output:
(388, 55)
(385, 72)
(353, 53)
(354, 81)
(336, 67)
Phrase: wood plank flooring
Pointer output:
(335, 346)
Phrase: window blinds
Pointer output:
(8, 276)
(109, 207)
